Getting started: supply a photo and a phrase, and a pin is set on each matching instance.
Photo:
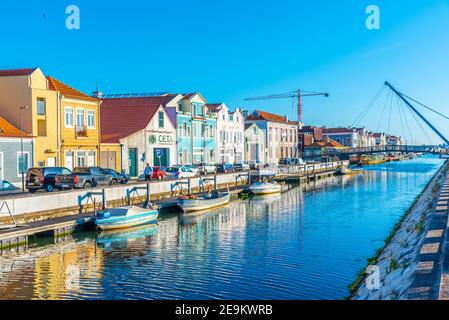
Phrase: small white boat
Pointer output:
(195, 203)
(260, 188)
(125, 217)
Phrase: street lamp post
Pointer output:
(21, 147)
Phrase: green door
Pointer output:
(133, 162)
(160, 157)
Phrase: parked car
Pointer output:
(255, 164)
(121, 178)
(179, 172)
(225, 167)
(205, 168)
(43, 178)
(157, 174)
(194, 168)
(241, 166)
(85, 177)
(7, 187)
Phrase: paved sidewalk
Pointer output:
(431, 278)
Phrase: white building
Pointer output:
(281, 135)
(143, 129)
(230, 133)
(254, 143)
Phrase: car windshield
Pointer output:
(81, 170)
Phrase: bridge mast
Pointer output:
(417, 112)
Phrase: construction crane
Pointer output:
(298, 94)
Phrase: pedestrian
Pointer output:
(147, 173)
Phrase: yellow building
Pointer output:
(111, 156)
(79, 126)
(28, 103)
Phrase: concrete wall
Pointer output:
(43, 201)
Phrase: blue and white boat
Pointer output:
(125, 217)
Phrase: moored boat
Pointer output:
(345, 171)
(206, 202)
(260, 188)
(125, 217)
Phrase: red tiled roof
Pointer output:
(8, 130)
(139, 101)
(262, 115)
(16, 72)
(122, 117)
(68, 91)
(334, 144)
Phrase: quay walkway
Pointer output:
(431, 277)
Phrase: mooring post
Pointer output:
(148, 193)
(103, 199)
(188, 186)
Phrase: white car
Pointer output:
(192, 168)
(205, 168)
(179, 172)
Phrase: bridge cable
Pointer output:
(367, 108)
(406, 121)
(423, 105)
(383, 112)
(429, 139)
(389, 118)
(400, 116)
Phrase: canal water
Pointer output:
(308, 243)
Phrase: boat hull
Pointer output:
(192, 205)
(263, 189)
(113, 223)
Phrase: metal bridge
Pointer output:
(389, 148)
(344, 153)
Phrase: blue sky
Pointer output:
(229, 50)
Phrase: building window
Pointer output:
(80, 117)
(81, 158)
(161, 119)
(68, 117)
(23, 162)
(91, 119)
(41, 106)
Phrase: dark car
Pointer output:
(43, 178)
(85, 177)
(121, 178)
(225, 167)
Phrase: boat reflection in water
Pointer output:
(307, 243)
(106, 238)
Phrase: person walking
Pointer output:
(147, 172)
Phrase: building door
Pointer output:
(68, 160)
(133, 162)
(51, 162)
(107, 159)
(91, 159)
(161, 157)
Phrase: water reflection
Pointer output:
(308, 243)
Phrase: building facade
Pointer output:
(137, 131)
(254, 140)
(196, 130)
(281, 135)
(308, 135)
(230, 133)
(16, 152)
(28, 103)
(79, 126)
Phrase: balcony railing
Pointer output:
(81, 131)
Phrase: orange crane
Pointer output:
(298, 94)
